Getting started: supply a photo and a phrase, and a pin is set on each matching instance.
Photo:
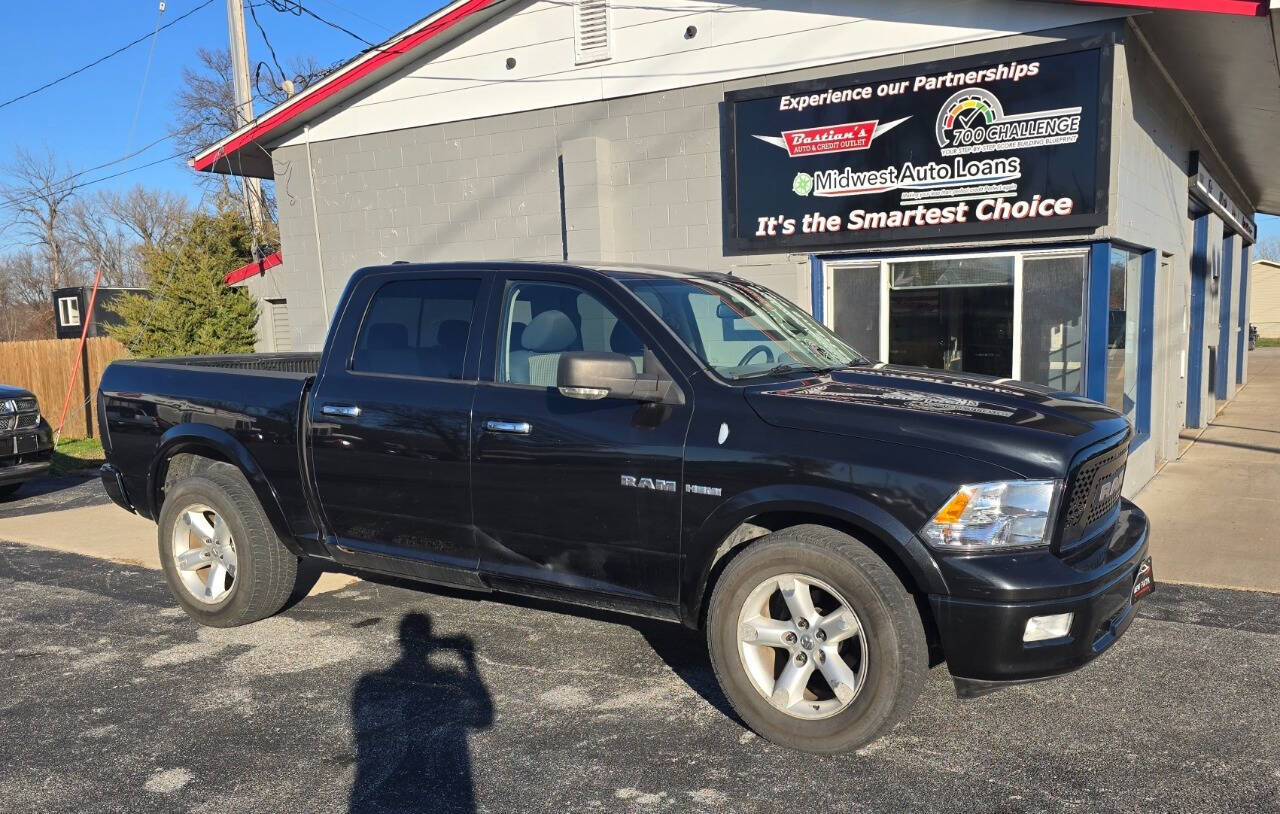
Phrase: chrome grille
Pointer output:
(28, 421)
(1084, 507)
(26, 404)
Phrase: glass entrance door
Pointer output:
(953, 314)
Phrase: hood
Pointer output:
(10, 392)
(1027, 429)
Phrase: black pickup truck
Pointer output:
(26, 441)
(681, 445)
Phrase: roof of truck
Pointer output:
(620, 270)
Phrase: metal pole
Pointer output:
(244, 102)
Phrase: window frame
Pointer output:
(831, 264)
(65, 307)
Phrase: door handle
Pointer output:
(344, 410)
(515, 427)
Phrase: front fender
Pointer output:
(202, 439)
(841, 507)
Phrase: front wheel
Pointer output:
(815, 641)
(221, 558)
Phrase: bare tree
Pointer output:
(114, 230)
(26, 304)
(1267, 249)
(35, 200)
(99, 239)
(205, 106)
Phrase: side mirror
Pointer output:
(592, 376)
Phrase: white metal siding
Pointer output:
(1264, 296)
(648, 52)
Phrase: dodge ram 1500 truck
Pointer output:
(681, 445)
(26, 442)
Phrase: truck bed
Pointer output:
(249, 404)
(305, 364)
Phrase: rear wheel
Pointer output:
(815, 641)
(221, 558)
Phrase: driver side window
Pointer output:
(543, 321)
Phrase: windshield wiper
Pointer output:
(782, 369)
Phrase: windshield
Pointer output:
(742, 330)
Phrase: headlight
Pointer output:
(1002, 514)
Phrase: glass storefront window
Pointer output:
(854, 305)
(1124, 310)
(1053, 348)
(953, 313)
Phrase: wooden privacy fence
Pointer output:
(43, 365)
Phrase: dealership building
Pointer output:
(1060, 192)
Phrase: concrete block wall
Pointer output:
(1153, 135)
(630, 180)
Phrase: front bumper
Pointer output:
(981, 637)
(22, 472)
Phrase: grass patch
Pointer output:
(1268, 342)
(71, 455)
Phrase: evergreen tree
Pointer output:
(192, 311)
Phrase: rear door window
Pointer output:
(417, 328)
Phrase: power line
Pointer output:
(359, 16)
(146, 73)
(266, 40)
(17, 202)
(296, 8)
(102, 59)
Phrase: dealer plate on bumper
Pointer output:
(22, 444)
(1144, 580)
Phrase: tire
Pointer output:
(888, 658)
(9, 489)
(264, 570)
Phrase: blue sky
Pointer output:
(88, 120)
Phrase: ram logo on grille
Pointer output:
(1110, 487)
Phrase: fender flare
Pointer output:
(840, 506)
(200, 439)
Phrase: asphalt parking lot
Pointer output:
(381, 697)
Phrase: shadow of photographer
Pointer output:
(411, 723)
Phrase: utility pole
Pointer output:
(244, 105)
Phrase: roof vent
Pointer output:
(590, 30)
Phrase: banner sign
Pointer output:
(1011, 142)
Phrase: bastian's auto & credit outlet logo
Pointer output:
(974, 121)
(831, 138)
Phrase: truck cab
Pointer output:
(683, 445)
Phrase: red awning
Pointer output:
(256, 267)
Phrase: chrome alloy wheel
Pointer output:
(802, 646)
(204, 555)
